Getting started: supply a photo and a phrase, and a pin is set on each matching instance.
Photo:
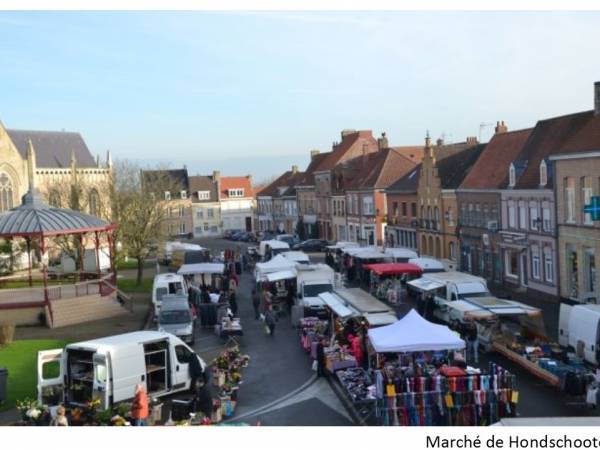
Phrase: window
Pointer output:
(543, 173)
(586, 198)
(404, 209)
(183, 195)
(182, 228)
(368, 205)
(511, 262)
(181, 211)
(167, 195)
(200, 214)
(6, 193)
(450, 216)
(548, 265)
(546, 218)
(511, 215)
(569, 194)
(590, 270)
(452, 251)
(522, 216)
(93, 203)
(203, 195)
(414, 209)
(210, 213)
(355, 200)
(534, 220)
(184, 355)
(572, 272)
(535, 262)
(436, 216)
(235, 192)
(512, 176)
(206, 227)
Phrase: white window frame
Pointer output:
(548, 265)
(535, 262)
(203, 195)
(512, 176)
(210, 213)
(507, 257)
(547, 218)
(183, 195)
(167, 195)
(368, 205)
(522, 216)
(512, 217)
(533, 217)
(570, 201)
(543, 173)
(235, 193)
(586, 196)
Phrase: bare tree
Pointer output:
(139, 209)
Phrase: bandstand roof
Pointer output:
(35, 217)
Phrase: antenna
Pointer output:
(483, 125)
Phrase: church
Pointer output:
(66, 173)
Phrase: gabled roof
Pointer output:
(177, 178)
(308, 177)
(408, 184)
(283, 185)
(53, 148)
(413, 152)
(586, 139)
(378, 170)
(350, 147)
(244, 183)
(550, 137)
(454, 168)
(203, 183)
(491, 169)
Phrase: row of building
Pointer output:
(510, 210)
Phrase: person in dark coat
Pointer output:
(204, 294)
(256, 304)
(321, 358)
(270, 321)
(196, 372)
(233, 303)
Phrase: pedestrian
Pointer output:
(472, 339)
(256, 304)
(321, 358)
(139, 407)
(290, 299)
(60, 420)
(356, 349)
(194, 367)
(204, 294)
(233, 303)
(267, 300)
(270, 321)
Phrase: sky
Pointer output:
(254, 92)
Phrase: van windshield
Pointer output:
(161, 292)
(175, 316)
(313, 290)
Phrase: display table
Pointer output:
(530, 366)
(230, 329)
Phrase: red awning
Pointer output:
(394, 268)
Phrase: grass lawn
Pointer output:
(128, 285)
(20, 358)
(18, 284)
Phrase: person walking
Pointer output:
(472, 339)
(256, 304)
(139, 407)
(321, 358)
(270, 321)
(233, 303)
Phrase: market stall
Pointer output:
(203, 274)
(428, 265)
(297, 257)
(386, 279)
(354, 258)
(399, 254)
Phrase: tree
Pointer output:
(139, 210)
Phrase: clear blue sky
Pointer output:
(254, 92)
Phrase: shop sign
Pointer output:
(486, 239)
(593, 209)
(513, 238)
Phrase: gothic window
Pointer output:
(94, 202)
(6, 193)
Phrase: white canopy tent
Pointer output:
(428, 264)
(336, 304)
(200, 268)
(298, 257)
(342, 245)
(277, 264)
(281, 275)
(402, 254)
(413, 333)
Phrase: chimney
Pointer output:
(294, 169)
(500, 128)
(439, 142)
(471, 140)
(382, 142)
(347, 132)
(597, 98)
(314, 153)
(216, 175)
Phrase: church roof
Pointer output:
(53, 149)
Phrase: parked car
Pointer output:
(228, 234)
(267, 235)
(288, 239)
(311, 245)
(245, 236)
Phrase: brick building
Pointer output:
(306, 196)
(402, 217)
(479, 204)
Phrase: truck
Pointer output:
(579, 328)
(312, 280)
(108, 369)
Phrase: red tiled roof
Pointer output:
(491, 168)
(551, 137)
(350, 147)
(413, 152)
(244, 183)
(378, 170)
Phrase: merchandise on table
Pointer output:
(437, 399)
(358, 385)
(311, 330)
(227, 377)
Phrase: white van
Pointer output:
(312, 280)
(109, 368)
(165, 284)
(580, 324)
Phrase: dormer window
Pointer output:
(183, 195)
(203, 195)
(167, 195)
(543, 173)
(512, 176)
(235, 192)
